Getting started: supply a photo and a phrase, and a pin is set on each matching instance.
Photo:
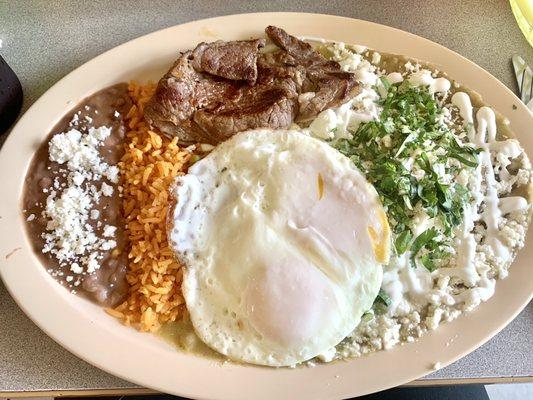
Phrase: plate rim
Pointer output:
(34, 109)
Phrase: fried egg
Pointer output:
(282, 240)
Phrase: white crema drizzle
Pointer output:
(484, 138)
(424, 78)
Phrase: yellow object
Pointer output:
(523, 12)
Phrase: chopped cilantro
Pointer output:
(385, 82)
(368, 316)
(383, 297)
(409, 173)
(402, 242)
(428, 261)
(423, 239)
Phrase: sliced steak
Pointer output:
(222, 88)
(179, 94)
(331, 85)
(198, 107)
(333, 88)
(279, 66)
(230, 60)
(301, 51)
(264, 107)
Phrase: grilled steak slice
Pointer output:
(333, 88)
(279, 66)
(301, 51)
(230, 60)
(331, 85)
(179, 94)
(222, 88)
(264, 106)
(198, 107)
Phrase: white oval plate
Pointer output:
(87, 331)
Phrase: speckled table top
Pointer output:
(44, 40)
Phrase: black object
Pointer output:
(10, 96)
(458, 392)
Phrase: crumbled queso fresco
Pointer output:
(69, 236)
(455, 214)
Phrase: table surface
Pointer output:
(44, 40)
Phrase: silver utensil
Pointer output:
(524, 78)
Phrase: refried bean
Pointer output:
(107, 285)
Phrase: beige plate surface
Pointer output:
(87, 331)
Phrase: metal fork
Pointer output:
(524, 78)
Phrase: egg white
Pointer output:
(282, 239)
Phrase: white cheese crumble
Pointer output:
(112, 173)
(107, 190)
(95, 214)
(69, 236)
(328, 355)
(109, 231)
(76, 268)
(324, 124)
